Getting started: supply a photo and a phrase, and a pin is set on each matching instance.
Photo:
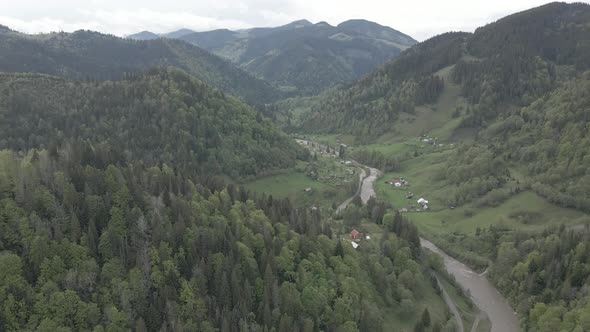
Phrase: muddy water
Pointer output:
(483, 293)
(367, 188)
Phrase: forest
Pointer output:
(92, 247)
(160, 116)
(89, 55)
(125, 167)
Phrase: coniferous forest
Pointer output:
(298, 178)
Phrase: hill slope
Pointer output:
(86, 54)
(164, 116)
(306, 57)
(502, 65)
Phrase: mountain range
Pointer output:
(92, 55)
(301, 57)
(501, 66)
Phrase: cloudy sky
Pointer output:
(420, 19)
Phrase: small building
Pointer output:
(348, 162)
(404, 210)
(354, 234)
(422, 202)
(308, 190)
(354, 244)
(368, 237)
(397, 184)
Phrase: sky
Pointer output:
(419, 19)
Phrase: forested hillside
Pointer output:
(508, 164)
(368, 108)
(503, 65)
(162, 116)
(546, 276)
(546, 143)
(86, 246)
(92, 55)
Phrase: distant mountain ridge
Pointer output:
(303, 57)
(92, 55)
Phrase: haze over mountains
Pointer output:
(301, 56)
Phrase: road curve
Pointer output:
(362, 175)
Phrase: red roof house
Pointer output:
(354, 234)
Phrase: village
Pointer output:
(400, 183)
(328, 166)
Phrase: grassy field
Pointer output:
(292, 185)
(421, 173)
(330, 179)
(515, 213)
(525, 210)
(332, 140)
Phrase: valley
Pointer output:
(307, 177)
(484, 295)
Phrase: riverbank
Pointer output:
(483, 293)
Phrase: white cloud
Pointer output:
(420, 19)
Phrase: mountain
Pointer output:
(303, 57)
(377, 31)
(92, 55)
(163, 116)
(147, 35)
(144, 35)
(492, 126)
(113, 217)
(178, 33)
(504, 65)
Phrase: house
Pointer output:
(308, 190)
(354, 234)
(354, 244)
(398, 182)
(348, 162)
(404, 210)
(422, 202)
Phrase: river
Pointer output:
(485, 296)
(483, 293)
